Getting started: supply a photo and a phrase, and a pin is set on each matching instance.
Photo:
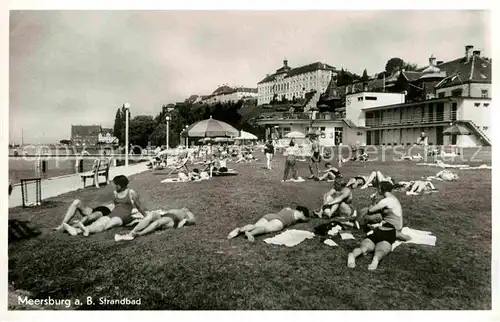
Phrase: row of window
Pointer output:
(479, 104)
(459, 92)
(269, 89)
(367, 98)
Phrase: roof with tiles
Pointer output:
(461, 70)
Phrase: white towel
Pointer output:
(330, 242)
(418, 237)
(445, 165)
(345, 236)
(482, 166)
(334, 231)
(290, 238)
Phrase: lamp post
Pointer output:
(187, 137)
(127, 108)
(167, 118)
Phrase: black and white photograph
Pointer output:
(237, 160)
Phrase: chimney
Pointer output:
(476, 53)
(439, 62)
(285, 62)
(468, 52)
(432, 60)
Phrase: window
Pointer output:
(485, 128)
(477, 104)
(322, 128)
(360, 98)
(484, 93)
(441, 95)
(359, 133)
(370, 98)
(457, 92)
(486, 104)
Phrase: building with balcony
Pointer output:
(396, 110)
(291, 83)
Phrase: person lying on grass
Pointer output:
(330, 173)
(373, 179)
(272, 222)
(125, 199)
(156, 220)
(380, 240)
(444, 175)
(337, 202)
(418, 186)
(89, 215)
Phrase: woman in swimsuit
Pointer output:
(155, 220)
(125, 200)
(272, 223)
(330, 173)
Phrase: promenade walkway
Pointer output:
(56, 186)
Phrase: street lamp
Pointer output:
(127, 108)
(187, 137)
(167, 118)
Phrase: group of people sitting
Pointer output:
(120, 212)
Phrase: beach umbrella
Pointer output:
(295, 135)
(322, 106)
(211, 128)
(246, 136)
(456, 130)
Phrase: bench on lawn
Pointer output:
(99, 169)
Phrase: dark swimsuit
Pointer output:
(175, 219)
(123, 208)
(102, 209)
(380, 235)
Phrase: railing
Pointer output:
(483, 135)
(412, 119)
(300, 116)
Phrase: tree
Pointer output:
(365, 77)
(141, 128)
(394, 64)
(410, 66)
(118, 126)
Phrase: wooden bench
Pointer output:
(100, 169)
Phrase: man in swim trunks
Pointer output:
(375, 178)
(315, 157)
(337, 202)
(125, 200)
(418, 186)
(155, 220)
(89, 215)
(272, 222)
(380, 240)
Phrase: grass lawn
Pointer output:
(196, 268)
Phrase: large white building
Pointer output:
(225, 93)
(456, 92)
(292, 83)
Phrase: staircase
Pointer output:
(483, 137)
(312, 99)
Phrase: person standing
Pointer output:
(269, 151)
(290, 162)
(315, 157)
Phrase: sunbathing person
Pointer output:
(155, 220)
(125, 200)
(375, 178)
(330, 173)
(419, 186)
(272, 222)
(337, 202)
(446, 175)
(88, 214)
(381, 239)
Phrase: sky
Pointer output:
(78, 67)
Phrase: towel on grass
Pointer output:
(418, 237)
(335, 230)
(345, 236)
(290, 237)
(482, 166)
(330, 242)
(445, 165)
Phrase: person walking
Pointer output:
(290, 162)
(269, 151)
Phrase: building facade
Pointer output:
(225, 94)
(290, 83)
(396, 110)
(85, 135)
